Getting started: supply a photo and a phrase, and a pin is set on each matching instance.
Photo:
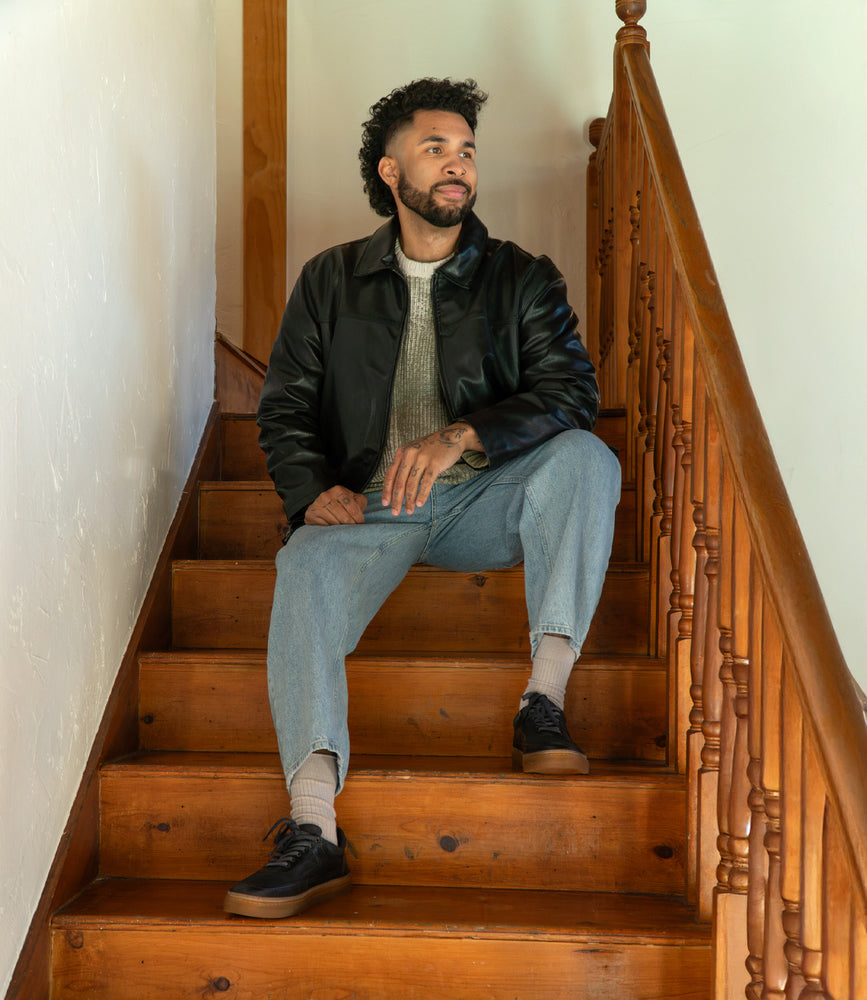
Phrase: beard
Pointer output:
(423, 204)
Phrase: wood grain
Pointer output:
(219, 701)
(381, 943)
(264, 173)
(410, 821)
(227, 604)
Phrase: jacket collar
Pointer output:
(378, 254)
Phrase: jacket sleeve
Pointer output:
(289, 407)
(556, 380)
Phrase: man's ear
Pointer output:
(388, 171)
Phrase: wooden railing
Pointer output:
(772, 737)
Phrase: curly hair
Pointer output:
(390, 113)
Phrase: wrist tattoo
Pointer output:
(451, 436)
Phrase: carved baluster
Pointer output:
(711, 687)
(694, 737)
(731, 915)
(775, 965)
(739, 808)
(644, 356)
(664, 459)
(813, 803)
(837, 920)
(593, 241)
(672, 475)
(683, 530)
(637, 410)
(728, 719)
(790, 829)
(606, 278)
(758, 856)
(633, 359)
(649, 373)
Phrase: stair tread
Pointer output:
(398, 910)
(257, 485)
(486, 769)
(252, 565)
(470, 660)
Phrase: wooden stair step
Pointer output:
(227, 604)
(458, 821)
(152, 939)
(245, 520)
(218, 700)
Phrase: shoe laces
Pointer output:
(545, 715)
(290, 842)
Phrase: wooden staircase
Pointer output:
(470, 880)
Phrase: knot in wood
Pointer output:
(75, 939)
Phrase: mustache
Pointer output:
(457, 182)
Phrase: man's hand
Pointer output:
(338, 505)
(414, 470)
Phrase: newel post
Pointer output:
(625, 187)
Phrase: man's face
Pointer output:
(430, 166)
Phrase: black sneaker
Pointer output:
(542, 744)
(304, 868)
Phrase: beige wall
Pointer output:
(107, 287)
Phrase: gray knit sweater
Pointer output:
(417, 406)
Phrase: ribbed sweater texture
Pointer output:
(417, 406)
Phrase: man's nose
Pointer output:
(455, 167)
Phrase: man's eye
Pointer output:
(434, 149)
(467, 155)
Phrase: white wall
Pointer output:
(107, 287)
(768, 102)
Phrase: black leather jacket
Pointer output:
(511, 363)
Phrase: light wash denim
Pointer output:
(552, 506)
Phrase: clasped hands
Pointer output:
(408, 480)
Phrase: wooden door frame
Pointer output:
(264, 120)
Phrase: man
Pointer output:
(427, 401)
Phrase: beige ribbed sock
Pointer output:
(552, 666)
(312, 791)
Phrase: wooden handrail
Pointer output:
(772, 736)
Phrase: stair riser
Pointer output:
(106, 964)
(494, 831)
(242, 458)
(226, 606)
(243, 522)
(404, 709)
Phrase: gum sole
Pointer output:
(256, 906)
(550, 762)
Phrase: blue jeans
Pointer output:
(552, 506)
